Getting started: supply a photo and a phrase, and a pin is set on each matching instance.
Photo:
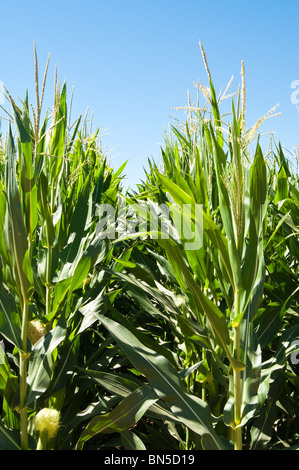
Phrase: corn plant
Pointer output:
(55, 175)
(141, 342)
(221, 286)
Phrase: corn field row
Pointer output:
(133, 341)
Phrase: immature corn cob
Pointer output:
(47, 424)
(35, 331)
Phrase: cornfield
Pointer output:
(127, 338)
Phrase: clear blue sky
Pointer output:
(133, 61)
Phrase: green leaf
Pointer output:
(282, 186)
(210, 229)
(3, 250)
(41, 361)
(113, 383)
(9, 439)
(214, 315)
(251, 377)
(58, 139)
(61, 289)
(8, 319)
(15, 232)
(216, 113)
(27, 179)
(88, 310)
(263, 426)
(127, 412)
(77, 230)
(123, 386)
(5, 372)
(258, 189)
(68, 361)
(131, 441)
(164, 379)
(45, 210)
(225, 205)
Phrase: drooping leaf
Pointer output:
(129, 411)
(165, 381)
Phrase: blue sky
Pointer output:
(133, 61)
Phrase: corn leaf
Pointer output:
(9, 439)
(128, 412)
(27, 173)
(15, 232)
(131, 441)
(41, 361)
(165, 381)
(210, 229)
(8, 319)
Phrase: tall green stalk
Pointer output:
(48, 273)
(237, 381)
(23, 379)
